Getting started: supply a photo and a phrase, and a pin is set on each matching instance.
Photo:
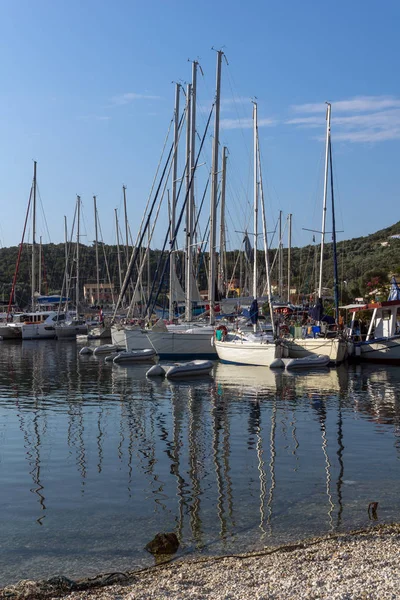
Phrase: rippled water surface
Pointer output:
(95, 459)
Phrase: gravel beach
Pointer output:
(360, 565)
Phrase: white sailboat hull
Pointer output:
(133, 339)
(335, 348)
(383, 350)
(244, 352)
(118, 335)
(183, 345)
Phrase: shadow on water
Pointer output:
(95, 458)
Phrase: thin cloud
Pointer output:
(356, 104)
(370, 119)
(130, 97)
(246, 123)
(368, 136)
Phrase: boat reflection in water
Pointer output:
(96, 458)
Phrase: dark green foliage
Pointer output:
(360, 260)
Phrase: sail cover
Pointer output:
(317, 311)
(254, 311)
(394, 293)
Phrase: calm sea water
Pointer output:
(96, 459)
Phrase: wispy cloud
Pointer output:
(369, 119)
(246, 123)
(130, 97)
(357, 104)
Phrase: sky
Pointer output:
(88, 92)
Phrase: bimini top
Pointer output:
(373, 305)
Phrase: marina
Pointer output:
(96, 458)
(199, 301)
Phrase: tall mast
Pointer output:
(173, 201)
(265, 239)
(126, 226)
(289, 255)
(214, 191)
(118, 254)
(190, 219)
(328, 133)
(148, 264)
(34, 236)
(222, 241)
(97, 252)
(188, 295)
(78, 202)
(335, 265)
(126, 240)
(66, 256)
(40, 267)
(280, 262)
(255, 198)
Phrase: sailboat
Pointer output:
(334, 347)
(40, 321)
(259, 349)
(72, 326)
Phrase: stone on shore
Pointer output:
(163, 543)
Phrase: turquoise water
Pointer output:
(96, 459)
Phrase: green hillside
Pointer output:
(363, 263)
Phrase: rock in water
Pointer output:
(163, 543)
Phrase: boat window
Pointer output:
(386, 315)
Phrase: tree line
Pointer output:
(364, 264)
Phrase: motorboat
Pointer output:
(307, 362)
(105, 349)
(135, 356)
(193, 368)
(41, 325)
(12, 330)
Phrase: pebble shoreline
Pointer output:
(362, 565)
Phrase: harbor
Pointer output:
(199, 301)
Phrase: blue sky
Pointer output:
(87, 92)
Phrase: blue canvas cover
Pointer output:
(394, 293)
